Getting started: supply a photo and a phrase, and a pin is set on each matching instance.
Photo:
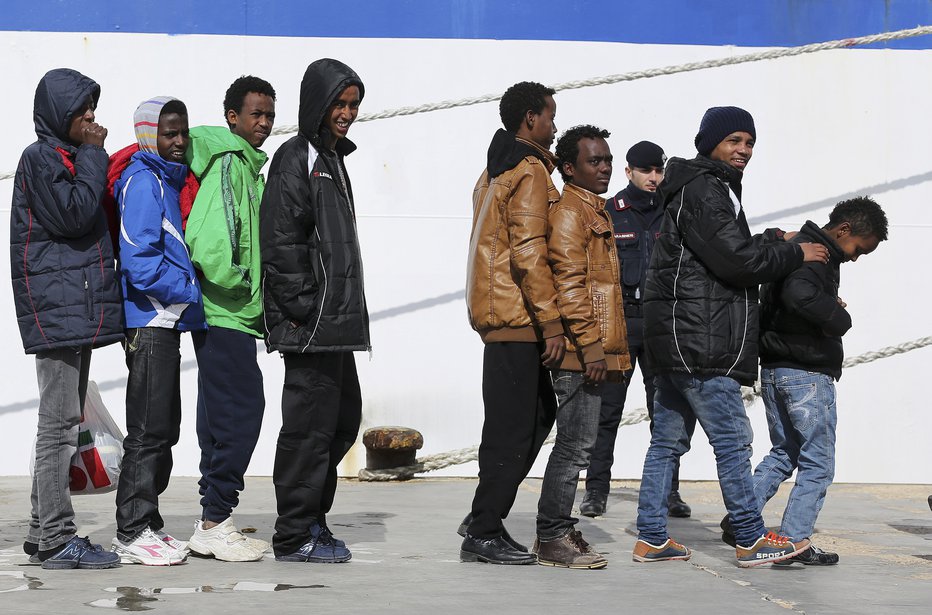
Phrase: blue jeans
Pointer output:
(62, 375)
(715, 401)
(577, 430)
(801, 417)
(153, 422)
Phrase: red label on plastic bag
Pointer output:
(95, 468)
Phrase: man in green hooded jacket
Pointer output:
(222, 233)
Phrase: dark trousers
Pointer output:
(520, 408)
(321, 412)
(230, 404)
(153, 423)
(599, 474)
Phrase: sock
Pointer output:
(30, 548)
(47, 553)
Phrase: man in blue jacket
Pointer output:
(66, 296)
(161, 299)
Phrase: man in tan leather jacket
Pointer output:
(581, 246)
(513, 306)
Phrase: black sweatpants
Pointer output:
(321, 412)
(520, 408)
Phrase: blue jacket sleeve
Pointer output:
(142, 243)
(66, 205)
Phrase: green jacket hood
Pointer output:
(210, 142)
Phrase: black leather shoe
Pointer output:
(493, 551)
(813, 556)
(464, 527)
(677, 507)
(593, 504)
(728, 534)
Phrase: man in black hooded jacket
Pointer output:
(701, 321)
(66, 294)
(315, 309)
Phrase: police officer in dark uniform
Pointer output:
(636, 214)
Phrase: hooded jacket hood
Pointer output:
(323, 81)
(60, 94)
(680, 172)
(506, 151)
(210, 142)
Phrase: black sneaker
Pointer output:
(464, 526)
(593, 504)
(677, 507)
(813, 556)
(728, 534)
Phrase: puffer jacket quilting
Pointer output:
(701, 296)
(62, 266)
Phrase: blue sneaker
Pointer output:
(80, 553)
(322, 548)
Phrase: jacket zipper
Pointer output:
(362, 282)
(88, 304)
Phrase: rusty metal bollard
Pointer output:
(391, 447)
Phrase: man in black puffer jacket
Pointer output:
(315, 309)
(66, 294)
(700, 311)
(802, 321)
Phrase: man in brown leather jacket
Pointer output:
(581, 246)
(513, 306)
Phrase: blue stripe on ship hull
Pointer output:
(755, 23)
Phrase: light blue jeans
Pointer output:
(62, 375)
(577, 430)
(715, 401)
(801, 417)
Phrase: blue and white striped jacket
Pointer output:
(160, 287)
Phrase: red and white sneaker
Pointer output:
(148, 549)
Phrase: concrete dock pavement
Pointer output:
(406, 558)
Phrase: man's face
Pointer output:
(343, 112)
(645, 178)
(854, 246)
(542, 126)
(735, 149)
(255, 120)
(173, 139)
(81, 119)
(593, 168)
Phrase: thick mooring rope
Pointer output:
(748, 394)
(772, 54)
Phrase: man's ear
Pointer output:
(568, 169)
(841, 230)
(529, 118)
(231, 117)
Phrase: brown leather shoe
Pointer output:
(569, 551)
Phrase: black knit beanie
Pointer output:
(718, 123)
(644, 155)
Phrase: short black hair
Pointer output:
(568, 144)
(863, 214)
(238, 90)
(519, 99)
(173, 106)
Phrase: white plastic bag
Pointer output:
(95, 466)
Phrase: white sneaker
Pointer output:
(226, 543)
(178, 545)
(147, 549)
